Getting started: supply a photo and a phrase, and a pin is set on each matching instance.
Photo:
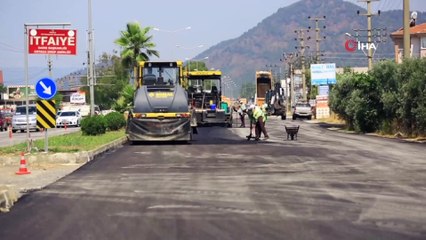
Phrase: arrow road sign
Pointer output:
(45, 88)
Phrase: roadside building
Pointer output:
(16, 95)
(1, 78)
(418, 42)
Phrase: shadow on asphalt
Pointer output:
(204, 138)
(331, 125)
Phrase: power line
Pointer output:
(10, 48)
(301, 37)
(318, 37)
(369, 14)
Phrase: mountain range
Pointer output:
(263, 46)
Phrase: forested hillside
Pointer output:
(265, 43)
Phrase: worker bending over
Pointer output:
(260, 116)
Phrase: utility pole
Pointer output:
(406, 32)
(317, 37)
(369, 31)
(46, 139)
(289, 59)
(90, 61)
(301, 37)
(49, 65)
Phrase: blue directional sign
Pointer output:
(323, 74)
(45, 88)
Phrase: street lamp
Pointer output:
(171, 31)
(189, 48)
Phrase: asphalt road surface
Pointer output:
(325, 185)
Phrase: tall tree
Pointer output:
(136, 45)
(3, 88)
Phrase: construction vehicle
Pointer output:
(205, 97)
(274, 98)
(160, 111)
(263, 84)
(276, 102)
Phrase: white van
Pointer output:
(84, 109)
(19, 119)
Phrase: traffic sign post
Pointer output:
(45, 88)
(46, 111)
(46, 41)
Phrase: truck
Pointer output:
(205, 97)
(271, 94)
(263, 84)
(160, 109)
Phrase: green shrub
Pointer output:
(93, 125)
(115, 121)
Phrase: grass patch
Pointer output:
(333, 119)
(69, 143)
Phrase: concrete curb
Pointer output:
(9, 194)
(64, 158)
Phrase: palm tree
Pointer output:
(3, 88)
(136, 45)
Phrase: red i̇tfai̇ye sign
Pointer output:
(52, 41)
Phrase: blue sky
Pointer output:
(211, 22)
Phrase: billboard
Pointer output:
(323, 74)
(78, 97)
(322, 109)
(52, 41)
(18, 92)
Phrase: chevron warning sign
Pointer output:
(46, 114)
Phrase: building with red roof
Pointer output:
(418, 42)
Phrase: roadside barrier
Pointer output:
(23, 166)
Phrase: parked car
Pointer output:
(68, 118)
(19, 119)
(302, 109)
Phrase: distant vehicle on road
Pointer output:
(263, 84)
(68, 118)
(302, 110)
(83, 108)
(19, 119)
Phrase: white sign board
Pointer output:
(322, 108)
(78, 97)
(323, 74)
(323, 90)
